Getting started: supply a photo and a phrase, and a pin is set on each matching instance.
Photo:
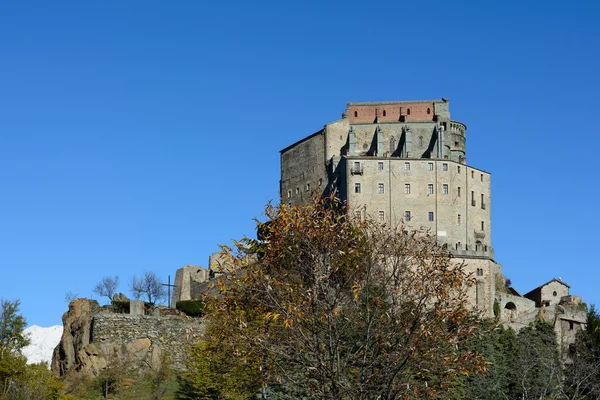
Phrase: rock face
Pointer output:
(94, 340)
(77, 323)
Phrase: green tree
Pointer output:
(500, 348)
(582, 372)
(12, 341)
(330, 308)
(537, 366)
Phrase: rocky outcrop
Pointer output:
(77, 323)
(94, 340)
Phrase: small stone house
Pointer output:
(549, 293)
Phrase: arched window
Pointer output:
(428, 110)
(384, 113)
(355, 113)
(408, 111)
(420, 141)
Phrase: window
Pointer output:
(479, 271)
(289, 193)
(428, 110)
(455, 144)
(445, 167)
(445, 188)
(356, 113)
(472, 174)
(308, 187)
(430, 188)
(420, 141)
(481, 177)
(320, 182)
(380, 188)
(430, 216)
(407, 166)
(408, 111)
(357, 188)
(482, 203)
(472, 198)
(381, 215)
(459, 191)
(407, 188)
(430, 166)
(407, 216)
(554, 293)
(356, 169)
(458, 219)
(297, 190)
(482, 225)
(380, 166)
(459, 169)
(384, 114)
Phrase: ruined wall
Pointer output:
(170, 334)
(94, 339)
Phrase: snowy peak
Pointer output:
(43, 342)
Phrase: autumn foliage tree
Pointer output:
(329, 308)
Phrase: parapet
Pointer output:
(397, 111)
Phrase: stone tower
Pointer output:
(402, 162)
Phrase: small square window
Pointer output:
(430, 188)
(380, 189)
(430, 216)
(380, 166)
(381, 215)
(407, 216)
(445, 167)
(445, 188)
(430, 166)
(407, 166)
(407, 188)
(357, 188)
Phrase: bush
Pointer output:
(121, 307)
(193, 308)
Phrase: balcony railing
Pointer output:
(356, 170)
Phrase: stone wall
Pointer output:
(171, 334)
(94, 339)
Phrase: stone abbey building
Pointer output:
(405, 162)
(402, 162)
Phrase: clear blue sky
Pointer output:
(138, 135)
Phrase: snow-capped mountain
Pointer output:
(43, 342)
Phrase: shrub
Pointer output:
(121, 307)
(193, 308)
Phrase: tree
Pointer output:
(12, 341)
(582, 371)
(107, 287)
(148, 286)
(330, 308)
(537, 365)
